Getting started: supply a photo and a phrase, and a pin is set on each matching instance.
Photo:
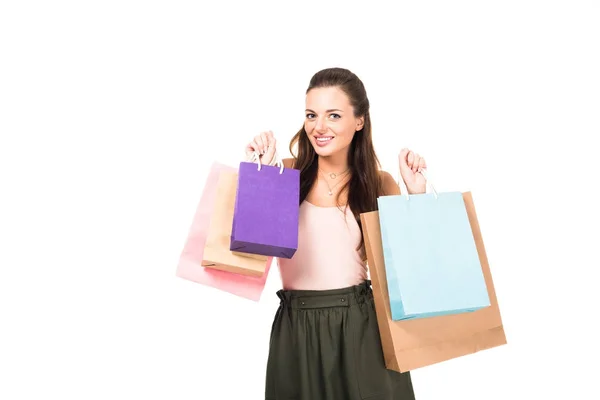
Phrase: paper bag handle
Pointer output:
(255, 157)
(423, 172)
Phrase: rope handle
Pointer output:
(421, 171)
(276, 161)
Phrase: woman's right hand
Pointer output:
(263, 144)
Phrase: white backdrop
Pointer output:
(111, 113)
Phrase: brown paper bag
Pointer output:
(216, 250)
(412, 344)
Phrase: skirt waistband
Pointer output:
(310, 299)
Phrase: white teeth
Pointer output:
(324, 139)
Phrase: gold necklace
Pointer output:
(333, 176)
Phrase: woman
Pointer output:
(325, 341)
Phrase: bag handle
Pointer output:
(276, 161)
(421, 171)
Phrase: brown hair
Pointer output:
(364, 184)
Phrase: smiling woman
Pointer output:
(325, 340)
(325, 125)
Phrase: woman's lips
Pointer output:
(323, 141)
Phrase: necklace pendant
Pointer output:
(330, 193)
(332, 175)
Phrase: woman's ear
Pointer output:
(360, 123)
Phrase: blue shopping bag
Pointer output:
(431, 260)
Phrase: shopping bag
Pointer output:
(431, 260)
(217, 254)
(266, 213)
(416, 343)
(190, 267)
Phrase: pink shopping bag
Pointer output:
(189, 266)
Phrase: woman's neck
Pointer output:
(334, 164)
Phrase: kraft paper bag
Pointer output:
(416, 343)
(431, 260)
(267, 209)
(217, 254)
(190, 266)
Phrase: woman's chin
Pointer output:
(324, 151)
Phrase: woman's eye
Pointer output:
(337, 116)
(310, 116)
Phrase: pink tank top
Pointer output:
(327, 255)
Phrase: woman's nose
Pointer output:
(321, 126)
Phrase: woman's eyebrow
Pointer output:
(331, 110)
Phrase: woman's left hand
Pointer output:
(410, 165)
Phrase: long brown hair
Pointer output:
(364, 184)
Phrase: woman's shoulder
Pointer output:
(288, 163)
(389, 185)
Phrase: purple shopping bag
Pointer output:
(265, 220)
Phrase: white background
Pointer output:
(112, 111)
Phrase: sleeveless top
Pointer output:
(327, 255)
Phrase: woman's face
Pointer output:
(330, 122)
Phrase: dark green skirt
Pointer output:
(325, 345)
